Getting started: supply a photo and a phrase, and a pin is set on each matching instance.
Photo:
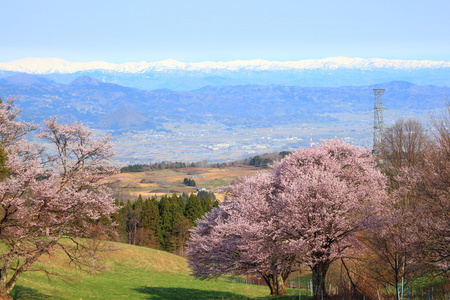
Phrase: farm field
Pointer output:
(168, 181)
(130, 272)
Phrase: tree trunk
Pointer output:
(354, 289)
(6, 285)
(276, 284)
(4, 295)
(319, 271)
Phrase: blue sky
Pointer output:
(224, 30)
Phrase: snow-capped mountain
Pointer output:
(55, 65)
(180, 76)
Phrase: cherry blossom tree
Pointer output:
(239, 237)
(325, 196)
(307, 209)
(47, 194)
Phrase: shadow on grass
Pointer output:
(284, 297)
(21, 292)
(183, 293)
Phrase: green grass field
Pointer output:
(130, 272)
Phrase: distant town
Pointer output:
(215, 142)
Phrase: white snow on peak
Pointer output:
(55, 65)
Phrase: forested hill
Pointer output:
(98, 104)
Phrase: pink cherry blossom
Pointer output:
(48, 193)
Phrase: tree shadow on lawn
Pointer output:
(183, 293)
(176, 293)
(21, 292)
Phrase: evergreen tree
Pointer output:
(162, 224)
(149, 227)
(185, 196)
(207, 204)
(189, 182)
(172, 213)
(138, 205)
(150, 215)
(181, 204)
(180, 236)
(165, 215)
(206, 195)
(194, 209)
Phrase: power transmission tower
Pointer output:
(378, 123)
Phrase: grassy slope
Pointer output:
(130, 272)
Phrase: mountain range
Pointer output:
(180, 76)
(115, 107)
(54, 65)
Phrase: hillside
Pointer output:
(218, 124)
(97, 103)
(124, 118)
(129, 272)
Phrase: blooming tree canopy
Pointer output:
(307, 209)
(326, 195)
(47, 194)
(239, 236)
